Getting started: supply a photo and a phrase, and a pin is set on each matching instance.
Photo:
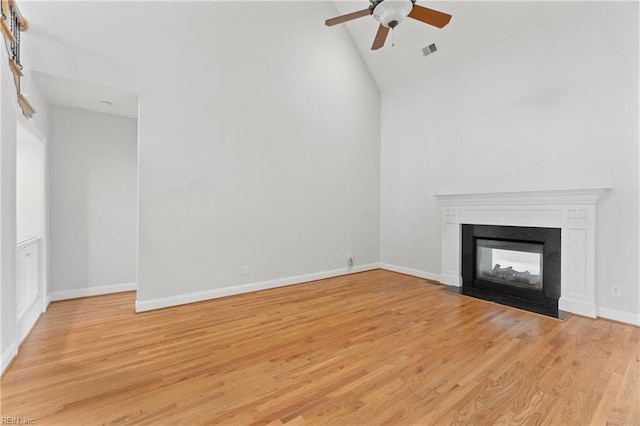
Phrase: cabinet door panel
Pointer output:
(31, 273)
(27, 279)
(21, 287)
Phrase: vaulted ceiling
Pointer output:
(475, 28)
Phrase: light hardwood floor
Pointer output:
(369, 348)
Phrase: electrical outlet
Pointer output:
(337, 257)
(245, 270)
(407, 256)
(615, 290)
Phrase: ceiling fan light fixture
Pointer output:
(390, 13)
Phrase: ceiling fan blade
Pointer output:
(429, 16)
(381, 37)
(348, 17)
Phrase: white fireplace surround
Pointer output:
(571, 210)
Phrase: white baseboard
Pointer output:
(570, 305)
(575, 306)
(621, 316)
(181, 299)
(452, 280)
(7, 357)
(409, 271)
(580, 307)
(91, 291)
(28, 318)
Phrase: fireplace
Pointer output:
(572, 212)
(513, 262)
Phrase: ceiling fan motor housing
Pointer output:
(390, 13)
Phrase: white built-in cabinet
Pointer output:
(28, 285)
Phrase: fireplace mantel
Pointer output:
(571, 210)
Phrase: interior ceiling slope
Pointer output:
(74, 93)
(476, 27)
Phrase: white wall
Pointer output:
(10, 114)
(556, 108)
(93, 190)
(8, 123)
(266, 156)
(259, 136)
(29, 185)
(224, 183)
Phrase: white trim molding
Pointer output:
(620, 316)
(28, 318)
(553, 197)
(571, 210)
(181, 299)
(91, 291)
(410, 271)
(7, 356)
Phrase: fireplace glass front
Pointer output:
(510, 263)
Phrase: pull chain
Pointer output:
(393, 38)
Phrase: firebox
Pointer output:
(513, 262)
(509, 263)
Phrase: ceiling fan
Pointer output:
(390, 13)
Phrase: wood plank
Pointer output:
(25, 105)
(369, 348)
(6, 31)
